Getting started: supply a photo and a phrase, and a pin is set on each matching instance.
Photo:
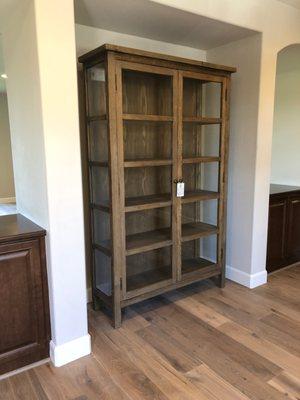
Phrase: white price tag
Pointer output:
(180, 189)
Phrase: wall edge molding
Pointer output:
(249, 280)
(70, 351)
(7, 200)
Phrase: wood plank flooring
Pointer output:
(196, 343)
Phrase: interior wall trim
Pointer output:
(243, 278)
(70, 351)
(5, 200)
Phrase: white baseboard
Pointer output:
(249, 280)
(70, 351)
(7, 200)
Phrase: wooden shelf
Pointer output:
(98, 164)
(147, 278)
(147, 117)
(196, 160)
(198, 195)
(104, 246)
(101, 207)
(151, 240)
(92, 118)
(195, 264)
(147, 162)
(195, 230)
(147, 202)
(145, 241)
(203, 120)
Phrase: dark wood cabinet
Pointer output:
(24, 310)
(284, 227)
(293, 231)
(153, 124)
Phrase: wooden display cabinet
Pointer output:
(152, 121)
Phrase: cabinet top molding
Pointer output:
(17, 227)
(99, 51)
(280, 189)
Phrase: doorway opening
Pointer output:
(7, 185)
(284, 212)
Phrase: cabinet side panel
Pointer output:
(293, 244)
(223, 177)
(276, 234)
(117, 182)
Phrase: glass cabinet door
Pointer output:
(99, 178)
(201, 136)
(146, 124)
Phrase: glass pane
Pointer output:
(100, 185)
(101, 228)
(198, 254)
(212, 94)
(98, 141)
(103, 276)
(147, 140)
(201, 98)
(200, 211)
(96, 90)
(146, 93)
(201, 176)
(147, 268)
(148, 181)
(201, 140)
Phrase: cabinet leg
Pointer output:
(221, 280)
(117, 316)
(96, 303)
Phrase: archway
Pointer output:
(284, 215)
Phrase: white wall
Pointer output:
(253, 97)
(286, 136)
(263, 16)
(25, 114)
(88, 38)
(42, 95)
(245, 56)
(7, 186)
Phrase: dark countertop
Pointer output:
(16, 226)
(276, 189)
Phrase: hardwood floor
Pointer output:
(196, 343)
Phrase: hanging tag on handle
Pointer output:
(180, 189)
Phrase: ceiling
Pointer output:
(293, 3)
(155, 21)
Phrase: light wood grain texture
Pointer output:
(182, 346)
(287, 384)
